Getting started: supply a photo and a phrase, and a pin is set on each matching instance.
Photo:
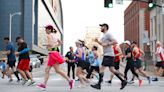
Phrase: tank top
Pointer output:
(117, 58)
(82, 58)
(139, 54)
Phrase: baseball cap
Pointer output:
(104, 24)
(49, 27)
(127, 42)
(79, 42)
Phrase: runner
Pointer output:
(71, 63)
(54, 60)
(108, 60)
(52, 41)
(130, 62)
(93, 58)
(85, 50)
(81, 64)
(24, 61)
(118, 54)
(160, 60)
(11, 59)
(137, 53)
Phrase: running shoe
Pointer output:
(96, 86)
(31, 83)
(71, 84)
(140, 83)
(24, 82)
(18, 81)
(110, 82)
(155, 79)
(42, 86)
(10, 80)
(81, 86)
(131, 82)
(123, 84)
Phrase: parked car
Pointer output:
(35, 62)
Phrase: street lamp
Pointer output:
(11, 15)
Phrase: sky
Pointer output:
(78, 14)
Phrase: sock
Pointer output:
(16, 74)
(118, 76)
(101, 75)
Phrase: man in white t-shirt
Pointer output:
(159, 60)
(107, 41)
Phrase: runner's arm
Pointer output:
(128, 55)
(112, 42)
(8, 50)
(136, 51)
(119, 50)
(95, 55)
(25, 50)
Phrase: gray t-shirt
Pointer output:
(107, 50)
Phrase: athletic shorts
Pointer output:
(53, 58)
(11, 63)
(117, 65)
(96, 68)
(138, 63)
(108, 61)
(159, 65)
(24, 64)
(83, 64)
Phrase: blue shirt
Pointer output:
(10, 47)
(93, 62)
(2, 66)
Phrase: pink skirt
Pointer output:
(53, 58)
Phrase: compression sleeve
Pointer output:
(24, 51)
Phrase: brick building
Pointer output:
(136, 23)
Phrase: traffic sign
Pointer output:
(119, 1)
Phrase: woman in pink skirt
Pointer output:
(54, 60)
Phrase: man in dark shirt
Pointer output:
(130, 62)
(71, 62)
(24, 61)
(11, 59)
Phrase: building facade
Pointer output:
(92, 33)
(33, 16)
(156, 26)
(136, 23)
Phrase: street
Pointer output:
(58, 84)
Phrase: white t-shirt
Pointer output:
(159, 54)
(108, 50)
